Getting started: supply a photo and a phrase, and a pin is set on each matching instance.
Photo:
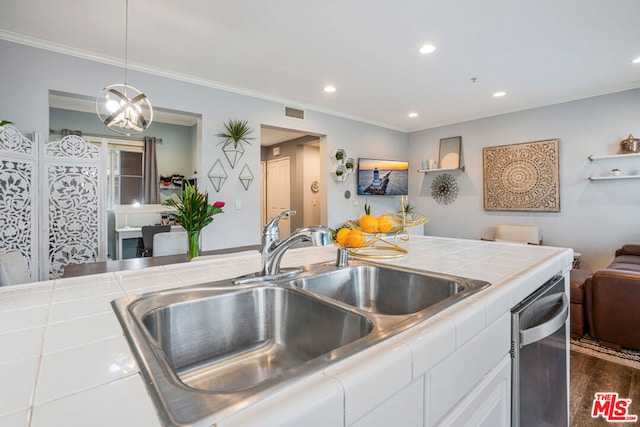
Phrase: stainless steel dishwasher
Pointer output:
(539, 394)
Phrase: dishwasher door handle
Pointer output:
(545, 329)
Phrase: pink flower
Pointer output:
(219, 205)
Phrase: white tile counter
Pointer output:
(65, 361)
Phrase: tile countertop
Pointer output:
(65, 360)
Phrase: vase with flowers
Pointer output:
(194, 213)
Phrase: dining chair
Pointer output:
(174, 243)
(13, 268)
(529, 234)
(148, 232)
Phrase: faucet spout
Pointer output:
(274, 249)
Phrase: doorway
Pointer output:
(292, 156)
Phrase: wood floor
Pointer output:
(590, 375)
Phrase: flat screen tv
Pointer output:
(383, 177)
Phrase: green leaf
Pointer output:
(193, 209)
(236, 131)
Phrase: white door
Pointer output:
(278, 192)
(263, 195)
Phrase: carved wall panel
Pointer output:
(18, 196)
(522, 177)
(75, 204)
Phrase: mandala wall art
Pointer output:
(444, 189)
(522, 177)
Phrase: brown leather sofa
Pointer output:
(613, 300)
(578, 325)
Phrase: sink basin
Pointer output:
(206, 351)
(382, 290)
(231, 342)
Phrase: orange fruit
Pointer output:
(368, 223)
(342, 235)
(384, 224)
(356, 239)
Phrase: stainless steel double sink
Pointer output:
(208, 350)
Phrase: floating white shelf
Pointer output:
(610, 178)
(613, 156)
(461, 168)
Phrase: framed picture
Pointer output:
(522, 177)
(449, 157)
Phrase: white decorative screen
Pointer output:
(76, 217)
(18, 196)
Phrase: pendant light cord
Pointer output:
(126, 40)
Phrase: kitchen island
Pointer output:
(65, 360)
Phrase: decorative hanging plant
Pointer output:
(236, 132)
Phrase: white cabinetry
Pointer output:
(488, 404)
(402, 409)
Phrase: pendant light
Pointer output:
(121, 107)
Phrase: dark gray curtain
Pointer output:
(151, 179)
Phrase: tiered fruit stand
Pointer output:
(387, 245)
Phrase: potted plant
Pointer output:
(194, 214)
(349, 164)
(236, 132)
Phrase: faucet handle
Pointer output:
(272, 227)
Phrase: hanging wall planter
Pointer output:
(246, 177)
(235, 133)
(233, 154)
(217, 175)
(350, 164)
(339, 173)
(338, 156)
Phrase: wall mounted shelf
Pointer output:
(461, 168)
(612, 178)
(612, 156)
(339, 173)
(338, 156)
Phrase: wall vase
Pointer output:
(233, 153)
(194, 244)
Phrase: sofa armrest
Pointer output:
(612, 299)
(630, 249)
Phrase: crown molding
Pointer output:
(186, 78)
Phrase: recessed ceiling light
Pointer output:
(637, 60)
(329, 89)
(427, 48)
(412, 115)
(499, 94)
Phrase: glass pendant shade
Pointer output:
(124, 109)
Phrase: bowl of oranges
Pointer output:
(367, 234)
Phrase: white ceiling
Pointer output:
(540, 52)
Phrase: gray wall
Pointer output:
(595, 217)
(594, 220)
(28, 74)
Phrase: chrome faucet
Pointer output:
(273, 248)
